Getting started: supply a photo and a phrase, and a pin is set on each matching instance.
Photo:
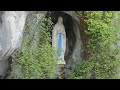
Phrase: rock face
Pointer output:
(76, 53)
(73, 38)
(73, 15)
(11, 27)
(11, 30)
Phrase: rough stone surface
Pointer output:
(11, 30)
(72, 14)
(76, 54)
(4, 66)
(11, 27)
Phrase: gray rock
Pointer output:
(11, 28)
(4, 66)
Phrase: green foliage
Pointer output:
(82, 70)
(16, 72)
(37, 59)
(102, 44)
(94, 69)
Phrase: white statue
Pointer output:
(59, 40)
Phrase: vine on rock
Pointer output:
(101, 46)
(37, 58)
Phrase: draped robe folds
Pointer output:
(59, 40)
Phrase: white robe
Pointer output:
(59, 28)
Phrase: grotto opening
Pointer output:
(73, 41)
(70, 36)
(72, 29)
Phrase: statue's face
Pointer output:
(60, 19)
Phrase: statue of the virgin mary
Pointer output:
(59, 40)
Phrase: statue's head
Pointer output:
(60, 19)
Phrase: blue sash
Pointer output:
(59, 49)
